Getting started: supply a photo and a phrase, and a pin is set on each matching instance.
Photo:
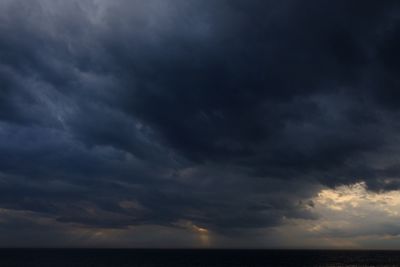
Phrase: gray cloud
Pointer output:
(225, 114)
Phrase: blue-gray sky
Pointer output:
(196, 123)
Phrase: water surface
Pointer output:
(195, 258)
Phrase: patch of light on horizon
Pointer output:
(348, 216)
(359, 200)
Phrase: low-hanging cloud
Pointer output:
(227, 115)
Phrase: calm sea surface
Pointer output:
(195, 258)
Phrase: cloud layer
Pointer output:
(224, 115)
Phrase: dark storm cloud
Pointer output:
(226, 114)
(281, 96)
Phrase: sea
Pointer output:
(195, 258)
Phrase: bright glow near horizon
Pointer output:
(349, 216)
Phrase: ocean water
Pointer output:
(194, 258)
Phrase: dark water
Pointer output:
(195, 258)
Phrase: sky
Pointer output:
(200, 124)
